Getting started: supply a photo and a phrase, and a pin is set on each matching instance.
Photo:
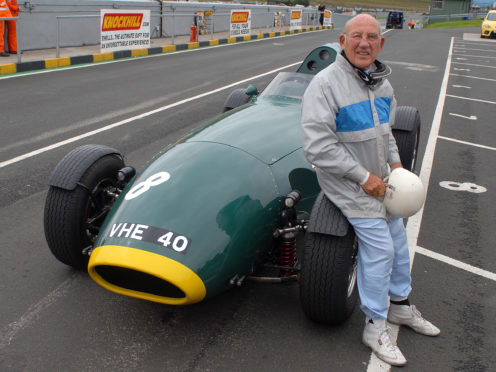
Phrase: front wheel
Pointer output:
(237, 98)
(328, 291)
(72, 218)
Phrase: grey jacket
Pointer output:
(346, 133)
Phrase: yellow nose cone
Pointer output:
(145, 275)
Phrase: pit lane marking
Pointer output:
(467, 143)
(138, 117)
(413, 225)
(471, 117)
(474, 64)
(414, 66)
(459, 264)
(474, 77)
(471, 55)
(9, 332)
(471, 99)
(481, 50)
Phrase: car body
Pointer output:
(221, 205)
(488, 27)
(394, 20)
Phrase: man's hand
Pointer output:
(374, 186)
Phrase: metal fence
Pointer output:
(65, 23)
(430, 19)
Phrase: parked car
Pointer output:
(218, 207)
(395, 20)
(488, 28)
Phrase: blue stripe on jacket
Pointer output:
(358, 116)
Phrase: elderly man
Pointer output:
(347, 114)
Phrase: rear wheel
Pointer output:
(73, 218)
(328, 291)
(406, 131)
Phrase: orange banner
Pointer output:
(122, 22)
(239, 17)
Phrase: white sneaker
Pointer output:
(411, 317)
(377, 336)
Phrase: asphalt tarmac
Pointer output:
(55, 318)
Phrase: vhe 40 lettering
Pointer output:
(151, 234)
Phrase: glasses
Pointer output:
(371, 37)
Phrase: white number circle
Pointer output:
(143, 186)
(463, 186)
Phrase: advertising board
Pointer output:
(240, 23)
(124, 29)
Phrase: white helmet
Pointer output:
(405, 193)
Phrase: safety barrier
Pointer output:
(44, 22)
(215, 22)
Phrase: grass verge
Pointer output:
(456, 24)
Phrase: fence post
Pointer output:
(213, 23)
(173, 23)
(18, 41)
(57, 53)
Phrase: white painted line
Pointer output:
(413, 226)
(417, 66)
(473, 64)
(127, 59)
(461, 86)
(473, 77)
(471, 99)
(456, 263)
(467, 143)
(473, 56)
(481, 50)
(137, 117)
(461, 69)
(471, 117)
(10, 331)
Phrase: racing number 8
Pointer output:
(144, 186)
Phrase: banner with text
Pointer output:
(327, 18)
(240, 22)
(295, 22)
(124, 29)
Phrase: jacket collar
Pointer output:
(379, 71)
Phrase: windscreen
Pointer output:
(288, 84)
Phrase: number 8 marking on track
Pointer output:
(142, 187)
(463, 186)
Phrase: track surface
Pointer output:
(56, 318)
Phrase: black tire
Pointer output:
(72, 218)
(406, 131)
(328, 291)
(237, 98)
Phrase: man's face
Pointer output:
(362, 41)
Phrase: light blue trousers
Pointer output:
(383, 266)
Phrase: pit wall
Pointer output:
(67, 23)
